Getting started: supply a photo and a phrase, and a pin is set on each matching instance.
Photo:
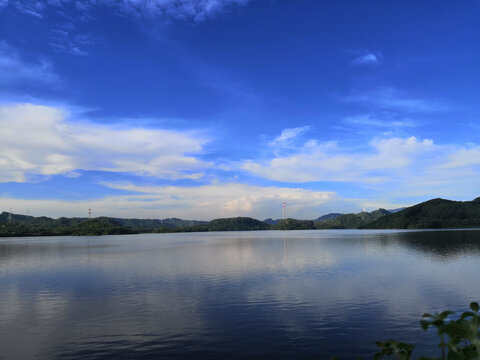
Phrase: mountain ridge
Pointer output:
(431, 214)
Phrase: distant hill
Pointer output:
(270, 221)
(96, 226)
(38, 221)
(24, 225)
(432, 214)
(152, 224)
(330, 216)
(236, 224)
(351, 221)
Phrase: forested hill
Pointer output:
(432, 214)
(24, 225)
(349, 221)
(152, 224)
(236, 224)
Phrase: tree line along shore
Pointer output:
(432, 214)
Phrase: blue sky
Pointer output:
(212, 108)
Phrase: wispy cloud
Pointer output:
(366, 59)
(388, 98)
(65, 39)
(373, 121)
(196, 10)
(288, 136)
(40, 140)
(33, 8)
(14, 68)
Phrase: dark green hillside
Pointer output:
(351, 221)
(96, 226)
(433, 214)
(236, 224)
(23, 229)
(23, 225)
(294, 224)
(41, 221)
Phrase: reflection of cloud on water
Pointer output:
(210, 254)
(46, 324)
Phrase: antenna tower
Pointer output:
(89, 213)
(10, 215)
(284, 206)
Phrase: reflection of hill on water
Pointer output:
(443, 245)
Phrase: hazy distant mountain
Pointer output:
(330, 216)
(396, 210)
(270, 221)
(432, 214)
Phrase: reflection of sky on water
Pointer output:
(229, 294)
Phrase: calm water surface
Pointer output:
(230, 295)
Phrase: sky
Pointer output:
(201, 109)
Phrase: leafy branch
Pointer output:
(459, 338)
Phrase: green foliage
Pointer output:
(459, 338)
(399, 350)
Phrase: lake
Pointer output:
(230, 295)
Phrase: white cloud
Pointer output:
(464, 157)
(14, 68)
(391, 166)
(367, 59)
(199, 202)
(40, 140)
